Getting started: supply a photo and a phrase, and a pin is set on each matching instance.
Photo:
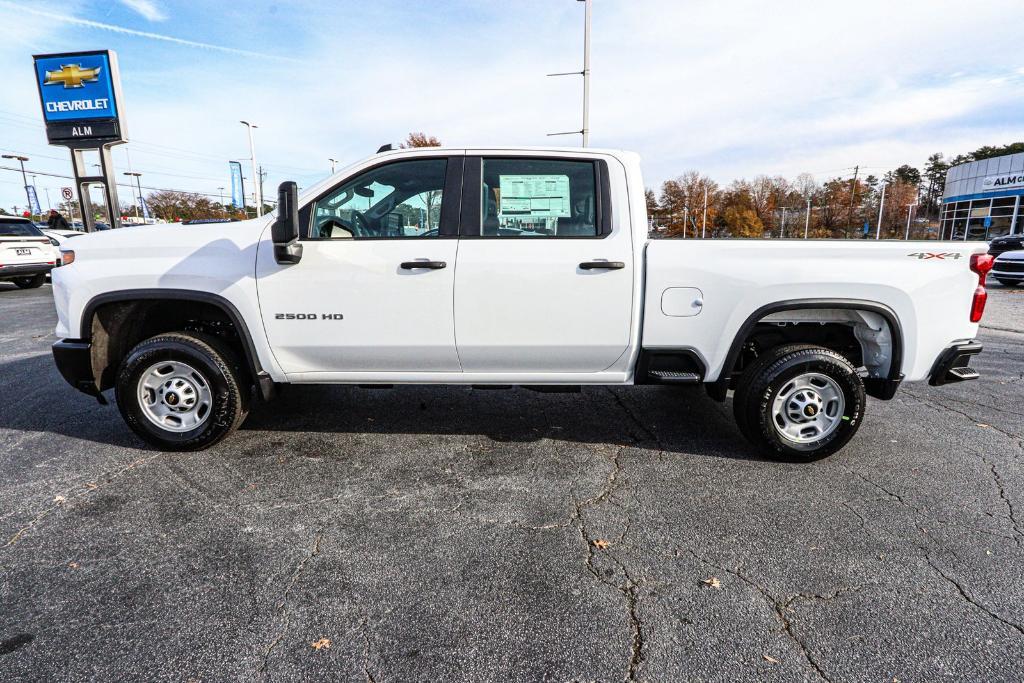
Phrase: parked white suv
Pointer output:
(26, 254)
(506, 267)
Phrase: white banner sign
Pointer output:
(1003, 182)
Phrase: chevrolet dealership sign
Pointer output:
(80, 93)
(1003, 182)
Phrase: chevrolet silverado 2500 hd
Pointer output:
(505, 267)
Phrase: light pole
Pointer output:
(782, 230)
(585, 131)
(333, 162)
(881, 205)
(257, 190)
(221, 190)
(910, 209)
(138, 186)
(807, 218)
(24, 179)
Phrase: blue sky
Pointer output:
(730, 89)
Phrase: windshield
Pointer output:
(18, 229)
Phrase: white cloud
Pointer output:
(147, 8)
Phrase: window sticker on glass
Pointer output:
(534, 196)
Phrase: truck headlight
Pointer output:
(67, 257)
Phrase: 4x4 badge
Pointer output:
(942, 256)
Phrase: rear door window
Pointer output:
(537, 198)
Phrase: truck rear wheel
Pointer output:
(799, 402)
(182, 392)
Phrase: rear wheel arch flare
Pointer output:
(721, 385)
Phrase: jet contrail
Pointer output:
(142, 34)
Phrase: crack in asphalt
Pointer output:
(650, 435)
(366, 651)
(779, 609)
(628, 589)
(102, 481)
(921, 513)
(1006, 500)
(938, 405)
(967, 597)
(283, 604)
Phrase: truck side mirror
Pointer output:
(285, 230)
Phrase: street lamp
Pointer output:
(910, 210)
(881, 206)
(258, 190)
(221, 189)
(24, 179)
(138, 185)
(333, 162)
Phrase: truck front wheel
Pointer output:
(799, 402)
(182, 392)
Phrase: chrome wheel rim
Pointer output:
(175, 396)
(808, 408)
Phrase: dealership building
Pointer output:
(983, 199)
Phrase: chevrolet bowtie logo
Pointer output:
(72, 76)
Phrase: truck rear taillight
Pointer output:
(980, 264)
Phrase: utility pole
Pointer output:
(782, 230)
(704, 220)
(686, 218)
(138, 186)
(881, 206)
(585, 130)
(807, 218)
(258, 189)
(910, 208)
(263, 176)
(221, 190)
(333, 162)
(853, 199)
(24, 180)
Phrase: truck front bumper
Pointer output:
(952, 364)
(74, 361)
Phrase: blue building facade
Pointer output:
(982, 199)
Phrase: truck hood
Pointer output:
(140, 241)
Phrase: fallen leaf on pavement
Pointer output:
(771, 659)
(59, 499)
(73, 565)
(92, 485)
(713, 582)
(601, 544)
(982, 425)
(322, 644)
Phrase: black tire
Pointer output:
(746, 379)
(30, 282)
(762, 383)
(219, 369)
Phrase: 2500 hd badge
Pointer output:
(308, 316)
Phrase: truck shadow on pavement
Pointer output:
(34, 397)
(677, 420)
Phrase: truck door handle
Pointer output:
(602, 265)
(428, 265)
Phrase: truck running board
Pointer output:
(674, 377)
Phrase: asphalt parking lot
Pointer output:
(452, 534)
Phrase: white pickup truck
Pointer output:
(527, 267)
